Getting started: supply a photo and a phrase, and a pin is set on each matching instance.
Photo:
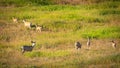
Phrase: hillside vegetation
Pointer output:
(64, 22)
(50, 2)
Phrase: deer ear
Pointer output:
(32, 41)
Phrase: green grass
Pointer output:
(115, 58)
(20, 3)
(51, 54)
(63, 25)
(105, 32)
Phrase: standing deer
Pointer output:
(28, 47)
(113, 44)
(15, 19)
(27, 24)
(38, 28)
(88, 43)
(77, 45)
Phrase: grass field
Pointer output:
(63, 25)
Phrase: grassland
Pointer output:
(62, 26)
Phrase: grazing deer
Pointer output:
(27, 47)
(113, 44)
(27, 24)
(77, 45)
(88, 43)
(15, 19)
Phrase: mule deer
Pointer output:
(27, 47)
(38, 28)
(77, 45)
(27, 24)
(113, 44)
(15, 19)
(88, 43)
